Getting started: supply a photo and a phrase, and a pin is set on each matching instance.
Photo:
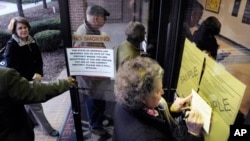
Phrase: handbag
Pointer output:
(3, 61)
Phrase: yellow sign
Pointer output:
(221, 90)
(190, 71)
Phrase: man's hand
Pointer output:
(72, 82)
(37, 77)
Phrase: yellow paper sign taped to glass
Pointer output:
(190, 71)
(220, 89)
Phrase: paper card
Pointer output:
(201, 105)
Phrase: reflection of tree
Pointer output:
(136, 8)
(132, 6)
(44, 4)
(20, 8)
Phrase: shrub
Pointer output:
(47, 24)
(48, 40)
(4, 37)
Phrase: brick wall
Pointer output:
(76, 12)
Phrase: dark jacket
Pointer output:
(137, 125)
(26, 59)
(205, 39)
(15, 91)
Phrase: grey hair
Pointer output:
(135, 31)
(135, 80)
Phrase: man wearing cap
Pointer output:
(89, 86)
(95, 20)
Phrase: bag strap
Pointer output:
(2, 50)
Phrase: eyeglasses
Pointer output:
(21, 28)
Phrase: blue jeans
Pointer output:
(95, 111)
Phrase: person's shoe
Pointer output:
(54, 133)
(98, 131)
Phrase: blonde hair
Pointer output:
(13, 23)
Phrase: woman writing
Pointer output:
(138, 113)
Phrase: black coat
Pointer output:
(26, 59)
(137, 125)
(205, 40)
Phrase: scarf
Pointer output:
(21, 42)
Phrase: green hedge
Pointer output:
(48, 40)
(48, 24)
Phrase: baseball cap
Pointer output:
(97, 10)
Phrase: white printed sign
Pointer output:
(201, 105)
(91, 62)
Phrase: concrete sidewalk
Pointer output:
(56, 111)
(7, 7)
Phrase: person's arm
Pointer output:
(194, 122)
(181, 104)
(22, 91)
